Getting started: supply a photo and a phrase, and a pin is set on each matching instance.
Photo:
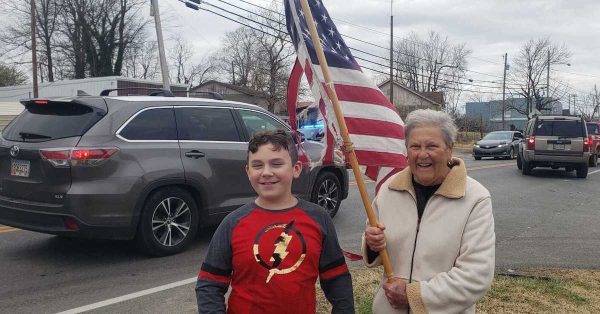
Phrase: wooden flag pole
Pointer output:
(348, 146)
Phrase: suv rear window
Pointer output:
(562, 128)
(39, 123)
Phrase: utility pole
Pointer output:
(548, 76)
(574, 103)
(504, 92)
(161, 47)
(392, 51)
(33, 51)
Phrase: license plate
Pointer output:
(19, 168)
(559, 146)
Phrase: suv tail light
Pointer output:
(531, 143)
(587, 144)
(58, 158)
(62, 158)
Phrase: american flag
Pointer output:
(374, 125)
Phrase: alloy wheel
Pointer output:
(171, 221)
(328, 195)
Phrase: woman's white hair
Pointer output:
(428, 117)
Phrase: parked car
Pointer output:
(498, 144)
(593, 129)
(151, 168)
(555, 142)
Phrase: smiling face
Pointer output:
(271, 173)
(428, 155)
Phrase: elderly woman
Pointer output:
(439, 228)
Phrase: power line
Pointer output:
(355, 49)
(354, 38)
(363, 59)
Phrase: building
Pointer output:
(407, 100)
(234, 93)
(91, 86)
(489, 113)
(11, 95)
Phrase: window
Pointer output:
(51, 121)
(561, 128)
(151, 125)
(592, 129)
(518, 135)
(206, 124)
(257, 122)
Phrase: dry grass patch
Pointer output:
(528, 291)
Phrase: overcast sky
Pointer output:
(488, 28)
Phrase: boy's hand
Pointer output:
(395, 293)
(375, 238)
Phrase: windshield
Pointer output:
(496, 136)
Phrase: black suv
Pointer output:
(151, 168)
(555, 141)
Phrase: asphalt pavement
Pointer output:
(549, 219)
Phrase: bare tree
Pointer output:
(141, 60)
(259, 58)
(274, 59)
(530, 71)
(237, 57)
(16, 38)
(184, 69)
(432, 64)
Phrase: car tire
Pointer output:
(519, 162)
(511, 154)
(327, 193)
(477, 157)
(168, 223)
(582, 171)
(593, 160)
(526, 167)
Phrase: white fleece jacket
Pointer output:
(454, 255)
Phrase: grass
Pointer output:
(527, 291)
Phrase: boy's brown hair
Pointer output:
(280, 139)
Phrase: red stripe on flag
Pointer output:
(334, 272)
(352, 256)
(363, 95)
(385, 178)
(372, 172)
(374, 127)
(213, 277)
(292, 92)
(371, 158)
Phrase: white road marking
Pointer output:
(130, 296)
(594, 172)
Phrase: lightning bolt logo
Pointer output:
(280, 251)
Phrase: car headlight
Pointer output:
(501, 145)
(475, 145)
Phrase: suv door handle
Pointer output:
(194, 154)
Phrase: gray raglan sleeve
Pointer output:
(334, 276)
(215, 272)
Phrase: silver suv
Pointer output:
(149, 168)
(555, 141)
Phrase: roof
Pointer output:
(241, 89)
(184, 101)
(410, 90)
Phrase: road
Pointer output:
(547, 219)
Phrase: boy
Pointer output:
(271, 251)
